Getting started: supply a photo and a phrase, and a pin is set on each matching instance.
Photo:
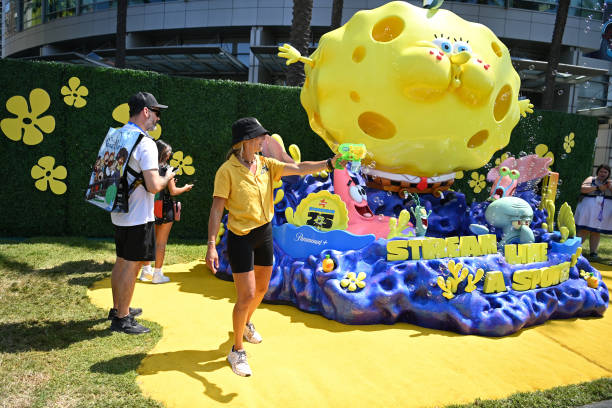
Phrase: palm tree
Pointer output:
(554, 55)
(121, 33)
(336, 18)
(300, 38)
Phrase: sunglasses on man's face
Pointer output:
(157, 112)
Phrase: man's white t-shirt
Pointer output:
(144, 157)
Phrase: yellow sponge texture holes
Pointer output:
(413, 85)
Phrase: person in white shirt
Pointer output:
(135, 230)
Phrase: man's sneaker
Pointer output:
(159, 277)
(146, 274)
(238, 361)
(133, 312)
(127, 325)
(251, 335)
(593, 256)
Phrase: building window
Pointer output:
(593, 93)
(60, 8)
(32, 13)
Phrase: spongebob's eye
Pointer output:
(355, 194)
(444, 44)
(461, 46)
(504, 171)
(515, 174)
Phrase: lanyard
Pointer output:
(132, 123)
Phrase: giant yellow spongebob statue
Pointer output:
(427, 92)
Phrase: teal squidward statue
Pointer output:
(513, 215)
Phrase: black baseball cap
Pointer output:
(139, 100)
(245, 129)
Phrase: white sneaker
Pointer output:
(238, 361)
(251, 335)
(159, 277)
(146, 274)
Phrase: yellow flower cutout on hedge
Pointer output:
(477, 182)
(459, 175)
(542, 151)
(182, 164)
(122, 115)
(28, 124)
(47, 175)
(501, 159)
(73, 93)
(568, 142)
(353, 281)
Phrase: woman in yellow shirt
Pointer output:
(244, 185)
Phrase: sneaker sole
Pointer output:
(252, 342)
(237, 372)
(126, 332)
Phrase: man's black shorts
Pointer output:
(254, 248)
(136, 243)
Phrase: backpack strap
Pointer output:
(139, 179)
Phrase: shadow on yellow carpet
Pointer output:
(306, 360)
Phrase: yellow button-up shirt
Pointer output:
(249, 197)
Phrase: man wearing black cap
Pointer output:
(134, 230)
(244, 184)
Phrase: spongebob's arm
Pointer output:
(292, 55)
(525, 107)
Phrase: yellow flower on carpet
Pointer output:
(568, 142)
(28, 124)
(501, 159)
(542, 151)
(353, 281)
(182, 164)
(46, 174)
(477, 182)
(74, 93)
(459, 175)
(122, 115)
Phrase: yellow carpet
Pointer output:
(307, 360)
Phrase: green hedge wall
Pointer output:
(198, 123)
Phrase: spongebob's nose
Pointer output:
(460, 58)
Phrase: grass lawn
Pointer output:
(56, 349)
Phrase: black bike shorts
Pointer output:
(254, 248)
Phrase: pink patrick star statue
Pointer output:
(361, 218)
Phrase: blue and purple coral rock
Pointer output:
(407, 291)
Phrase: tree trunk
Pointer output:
(555, 54)
(336, 18)
(121, 33)
(300, 39)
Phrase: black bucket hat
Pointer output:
(245, 129)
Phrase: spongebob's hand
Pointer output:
(294, 152)
(292, 55)
(525, 107)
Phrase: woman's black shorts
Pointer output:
(254, 248)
